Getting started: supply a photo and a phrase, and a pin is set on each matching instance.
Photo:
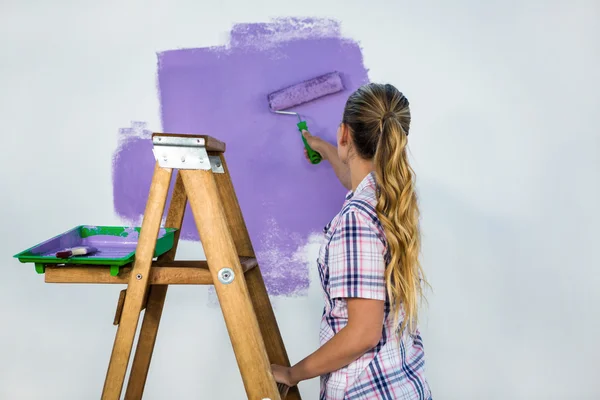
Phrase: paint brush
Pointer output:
(76, 251)
(301, 93)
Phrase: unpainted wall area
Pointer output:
(503, 139)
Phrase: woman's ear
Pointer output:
(345, 135)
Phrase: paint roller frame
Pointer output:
(301, 93)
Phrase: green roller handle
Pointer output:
(313, 156)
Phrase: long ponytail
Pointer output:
(398, 211)
(379, 119)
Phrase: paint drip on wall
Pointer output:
(222, 91)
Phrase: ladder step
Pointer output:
(210, 143)
(247, 264)
(162, 273)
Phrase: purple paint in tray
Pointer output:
(108, 246)
(116, 245)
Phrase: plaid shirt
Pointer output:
(352, 263)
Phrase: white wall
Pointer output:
(505, 144)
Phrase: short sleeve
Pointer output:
(356, 260)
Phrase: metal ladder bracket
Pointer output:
(216, 165)
(181, 152)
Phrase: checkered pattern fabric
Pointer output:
(352, 263)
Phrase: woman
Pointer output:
(368, 263)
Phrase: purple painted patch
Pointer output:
(222, 92)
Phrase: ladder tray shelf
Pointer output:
(116, 246)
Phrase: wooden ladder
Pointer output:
(202, 180)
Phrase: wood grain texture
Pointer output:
(119, 309)
(170, 275)
(258, 293)
(161, 273)
(240, 318)
(158, 294)
(247, 263)
(212, 144)
(137, 288)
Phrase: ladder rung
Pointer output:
(162, 273)
(247, 264)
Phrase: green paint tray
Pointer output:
(116, 247)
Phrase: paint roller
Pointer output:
(301, 93)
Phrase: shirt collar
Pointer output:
(367, 182)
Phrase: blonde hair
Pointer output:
(379, 120)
